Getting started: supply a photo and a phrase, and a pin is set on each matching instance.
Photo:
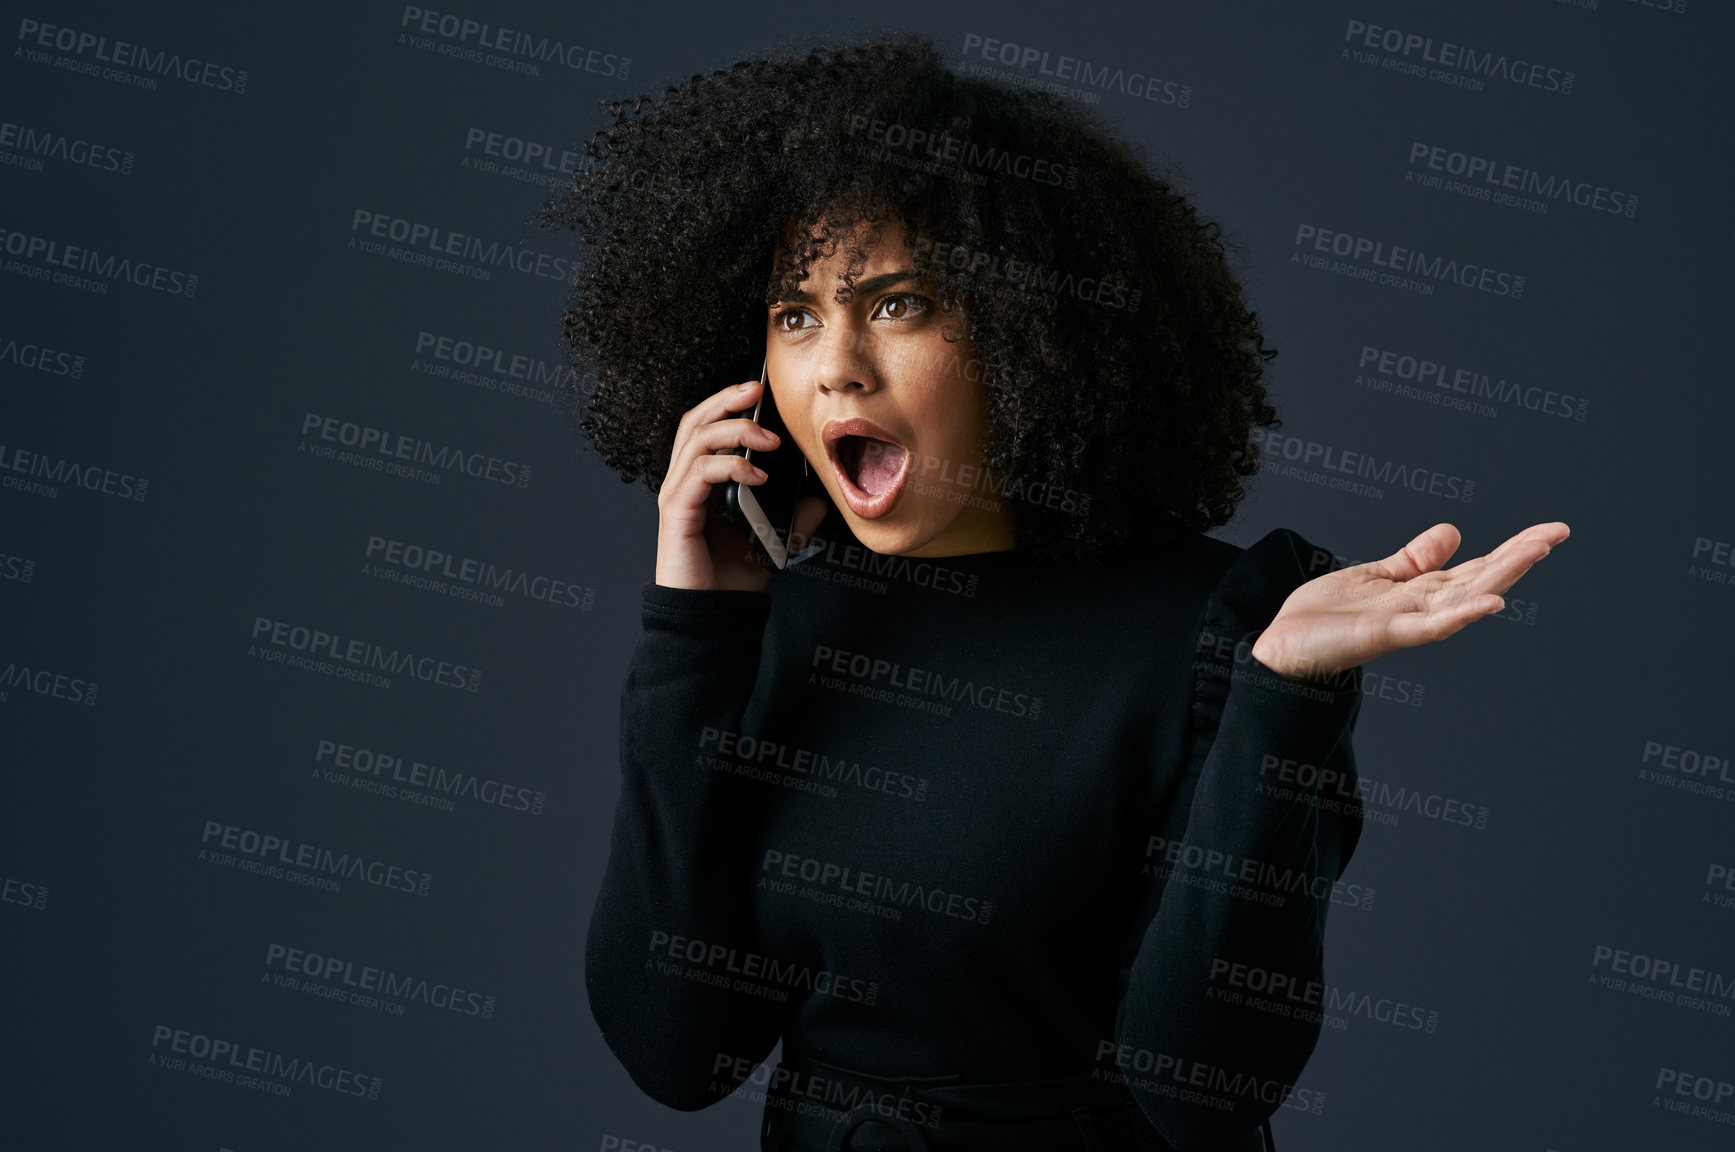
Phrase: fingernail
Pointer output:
(742, 387)
(759, 472)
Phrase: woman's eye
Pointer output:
(902, 306)
(782, 321)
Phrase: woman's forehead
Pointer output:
(861, 247)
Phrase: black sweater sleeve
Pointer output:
(676, 870)
(1222, 1006)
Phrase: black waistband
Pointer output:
(815, 1106)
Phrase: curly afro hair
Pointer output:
(1122, 361)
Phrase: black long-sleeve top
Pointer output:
(981, 816)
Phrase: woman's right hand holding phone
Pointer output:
(697, 546)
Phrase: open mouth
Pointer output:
(871, 466)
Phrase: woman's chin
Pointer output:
(889, 535)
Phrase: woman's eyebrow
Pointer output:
(871, 284)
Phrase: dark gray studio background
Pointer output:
(1574, 955)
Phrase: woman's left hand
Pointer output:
(1345, 618)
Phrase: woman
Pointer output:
(1014, 805)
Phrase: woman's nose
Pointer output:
(846, 363)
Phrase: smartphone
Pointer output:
(766, 511)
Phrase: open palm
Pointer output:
(1345, 618)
